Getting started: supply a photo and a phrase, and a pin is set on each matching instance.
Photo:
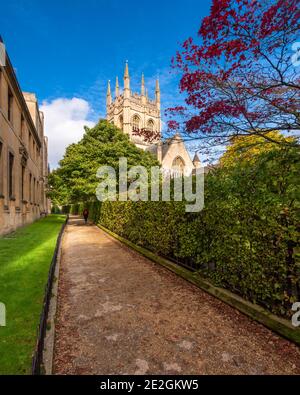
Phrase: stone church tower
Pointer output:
(130, 111)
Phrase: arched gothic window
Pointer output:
(135, 122)
(150, 125)
(178, 165)
(121, 122)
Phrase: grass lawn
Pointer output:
(25, 258)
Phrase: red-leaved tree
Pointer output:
(240, 76)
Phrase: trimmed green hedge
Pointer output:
(55, 210)
(246, 239)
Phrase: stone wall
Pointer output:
(23, 154)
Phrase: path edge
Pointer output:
(277, 324)
(43, 354)
(48, 351)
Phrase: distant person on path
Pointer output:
(85, 214)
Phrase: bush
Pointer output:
(246, 239)
(55, 210)
(74, 209)
(66, 209)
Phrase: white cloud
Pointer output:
(64, 122)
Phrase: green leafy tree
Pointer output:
(75, 180)
(248, 148)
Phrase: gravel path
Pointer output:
(119, 313)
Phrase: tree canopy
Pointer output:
(75, 179)
(247, 149)
(240, 76)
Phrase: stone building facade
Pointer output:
(23, 154)
(133, 111)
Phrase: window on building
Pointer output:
(11, 175)
(37, 192)
(0, 87)
(121, 122)
(30, 188)
(23, 183)
(10, 103)
(1, 168)
(34, 186)
(150, 125)
(178, 165)
(135, 122)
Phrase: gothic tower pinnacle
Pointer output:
(126, 81)
(157, 94)
(143, 85)
(108, 95)
(117, 87)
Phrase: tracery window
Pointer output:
(121, 122)
(135, 122)
(178, 165)
(150, 125)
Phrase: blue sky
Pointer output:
(65, 51)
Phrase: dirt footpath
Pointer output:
(119, 313)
